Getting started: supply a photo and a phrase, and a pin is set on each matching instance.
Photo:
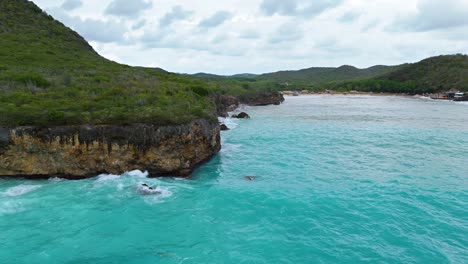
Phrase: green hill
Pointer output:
(317, 76)
(431, 75)
(436, 73)
(49, 75)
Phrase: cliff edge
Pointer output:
(77, 152)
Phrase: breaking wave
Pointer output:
(21, 189)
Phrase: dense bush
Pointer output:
(51, 76)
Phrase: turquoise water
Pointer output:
(339, 180)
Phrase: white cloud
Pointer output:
(71, 4)
(297, 7)
(434, 15)
(233, 36)
(176, 13)
(126, 8)
(216, 19)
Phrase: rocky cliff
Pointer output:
(225, 104)
(77, 152)
(260, 99)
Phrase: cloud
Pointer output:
(177, 13)
(92, 29)
(249, 34)
(216, 19)
(219, 39)
(287, 32)
(349, 17)
(434, 15)
(71, 4)
(127, 8)
(281, 7)
(139, 24)
(297, 7)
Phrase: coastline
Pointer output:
(353, 94)
(426, 96)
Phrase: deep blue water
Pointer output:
(339, 180)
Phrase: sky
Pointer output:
(257, 36)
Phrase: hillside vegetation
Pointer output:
(314, 79)
(431, 75)
(436, 74)
(318, 76)
(49, 75)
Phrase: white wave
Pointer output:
(107, 177)
(160, 194)
(424, 97)
(56, 179)
(120, 186)
(462, 103)
(231, 123)
(21, 189)
(243, 107)
(10, 207)
(137, 173)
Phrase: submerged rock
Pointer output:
(242, 115)
(249, 178)
(77, 152)
(223, 127)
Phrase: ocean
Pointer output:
(338, 179)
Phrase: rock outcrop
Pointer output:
(241, 115)
(261, 99)
(225, 104)
(223, 127)
(77, 152)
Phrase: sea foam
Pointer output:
(21, 189)
(10, 207)
(107, 177)
(137, 173)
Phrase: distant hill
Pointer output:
(436, 73)
(313, 76)
(50, 75)
(310, 78)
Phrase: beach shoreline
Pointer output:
(353, 94)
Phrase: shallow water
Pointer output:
(339, 180)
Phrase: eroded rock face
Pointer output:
(261, 99)
(225, 104)
(77, 152)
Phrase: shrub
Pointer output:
(31, 78)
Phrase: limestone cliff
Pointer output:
(77, 152)
(225, 104)
(261, 99)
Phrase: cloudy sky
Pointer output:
(256, 36)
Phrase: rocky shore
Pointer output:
(77, 152)
(226, 103)
(262, 99)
